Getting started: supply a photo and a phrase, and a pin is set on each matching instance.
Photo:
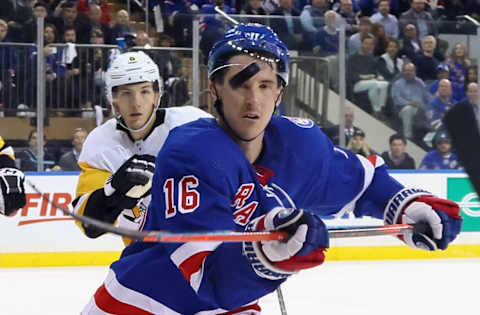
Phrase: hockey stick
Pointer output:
(221, 236)
(226, 16)
(463, 129)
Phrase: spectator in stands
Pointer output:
(28, 157)
(29, 31)
(122, 25)
(254, 7)
(312, 19)
(440, 104)
(442, 158)
(288, 26)
(66, 16)
(411, 46)
(362, 74)
(8, 70)
(397, 158)
(422, 19)
(426, 62)
(359, 145)
(409, 95)
(84, 7)
(458, 62)
(388, 20)
(69, 83)
(365, 30)
(472, 99)
(16, 13)
(368, 7)
(95, 19)
(68, 161)
(397, 7)
(325, 44)
(169, 64)
(381, 39)
(348, 17)
(334, 132)
(178, 16)
(96, 63)
(389, 65)
(471, 76)
(212, 25)
(443, 72)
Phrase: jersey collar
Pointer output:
(159, 119)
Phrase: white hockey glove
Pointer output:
(12, 191)
(439, 219)
(303, 249)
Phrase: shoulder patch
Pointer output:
(301, 122)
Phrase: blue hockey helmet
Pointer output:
(252, 39)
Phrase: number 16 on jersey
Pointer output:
(188, 198)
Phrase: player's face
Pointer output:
(249, 107)
(135, 103)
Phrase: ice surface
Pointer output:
(409, 287)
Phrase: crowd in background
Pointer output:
(398, 68)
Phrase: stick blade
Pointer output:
(462, 126)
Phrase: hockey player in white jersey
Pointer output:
(118, 158)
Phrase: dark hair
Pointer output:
(69, 5)
(393, 40)
(40, 4)
(97, 32)
(69, 28)
(30, 135)
(52, 27)
(155, 86)
(397, 136)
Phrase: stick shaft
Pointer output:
(221, 236)
(229, 236)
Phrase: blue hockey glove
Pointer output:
(440, 216)
(308, 239)
(12, 191)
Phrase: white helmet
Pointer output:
(132, 67)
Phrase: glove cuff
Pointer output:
(108, 188)
(398, 202)
(259, 262)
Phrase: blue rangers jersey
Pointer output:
(203, 182)
(434, 160)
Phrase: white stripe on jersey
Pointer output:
(367, 180)
(187, 250)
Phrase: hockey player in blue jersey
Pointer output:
(250, 170)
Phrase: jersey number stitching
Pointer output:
(188, 198)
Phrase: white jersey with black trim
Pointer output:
(108, 146)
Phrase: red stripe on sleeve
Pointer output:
(193, 264)
(111, 305)
(252, 307)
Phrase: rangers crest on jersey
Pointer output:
(301, 122)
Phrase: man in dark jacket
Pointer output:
(397, 158)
